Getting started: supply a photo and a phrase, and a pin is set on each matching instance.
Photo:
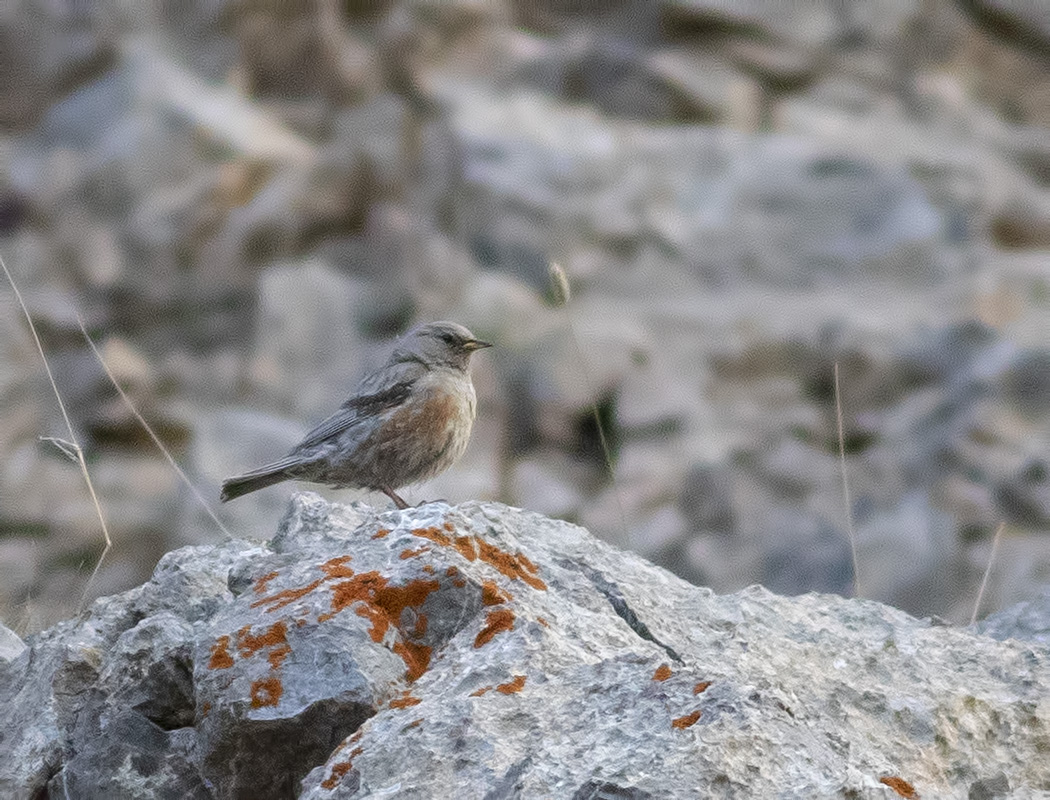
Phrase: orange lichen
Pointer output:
(481, 691)
(383, 606)
(261, 583)
(415, 656)
(900, 786)
(414, 723)
(452, 571)
(512, 687)
(340, 768)
(685, 722)
(543, 622)
(492, 595)
(286, 597)
(663, 672)
(220, 654)
(382, 603)
(277, 655)
(433, 534)
(205, 709)
(467, 547)
(405, 702)
(701, 687)
(515, 566)
(502, 619)
(249, 644)
(371, 594)
(407, 553)
(428, 568)
(266, 692)
(336, 567)
(382, 533)
(525, 562)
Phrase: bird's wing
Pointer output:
(357, 408)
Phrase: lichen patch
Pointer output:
(513, 686)
(498, 621)
(681, 723)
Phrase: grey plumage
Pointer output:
(405, 422)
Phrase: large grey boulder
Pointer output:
(484, 651)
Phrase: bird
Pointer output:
(404, 423)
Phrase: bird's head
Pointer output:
(440, 344)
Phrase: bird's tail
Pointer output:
(233, 488)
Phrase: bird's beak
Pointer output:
(476, 344)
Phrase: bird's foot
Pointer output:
(401, 504)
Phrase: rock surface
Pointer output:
(482, 651)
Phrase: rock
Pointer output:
(1026, 382)
(777, 68)
(909, 556)
(1025, 23)
(1025, 497)
(1027, 621)
(810, 24)
(47, 50)
(546, 482)
(10, 645)
(308, 352)
(811, 555)
(459, 651)
(710, 88)
(706, 499)
(299, 51)
(777, 210)
(198, 31)
(617, 75)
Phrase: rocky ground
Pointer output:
(245, 202)
(481, 651)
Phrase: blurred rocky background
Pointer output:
(245, 200)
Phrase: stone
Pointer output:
(10, 645)
(780, 210)
(478, 649)
(308, 352)
(811, 24)
(1028, 620)
(1021, 22)
(47, 49)
(1026, 382)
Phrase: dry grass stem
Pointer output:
(846, 502)
(987, 571)
(156, 439)
(559, 284)
(71, 447)
(560, 289)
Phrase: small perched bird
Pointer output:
(405, 422)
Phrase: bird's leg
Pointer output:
(393, 496)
